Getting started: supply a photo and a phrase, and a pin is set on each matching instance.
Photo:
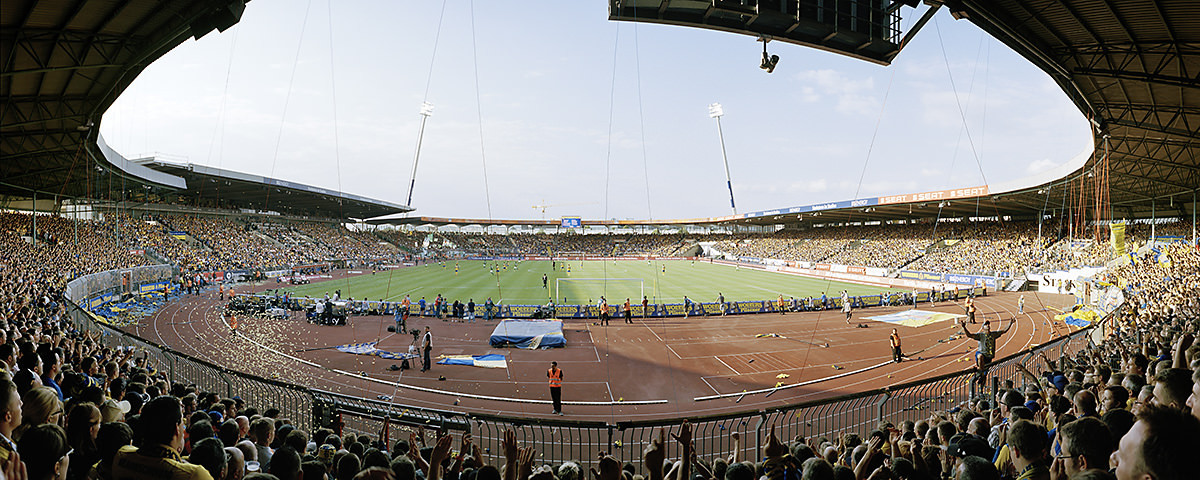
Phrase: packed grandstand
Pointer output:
(81, 399)
(1145, 364)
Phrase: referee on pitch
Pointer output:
(555, 375)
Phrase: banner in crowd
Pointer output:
(152, 287)
(212, 277)
(178, 235)
(1113, 297)
(1117, 238)
(99, 300)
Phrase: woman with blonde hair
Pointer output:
(41, 405)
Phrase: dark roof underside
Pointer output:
(64, 62)
(1131, 66)
(240, 190)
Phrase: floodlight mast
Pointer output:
(715, 111)
(426, 112)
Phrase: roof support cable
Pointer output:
(487, 192)
(219, 128)
(287, 99)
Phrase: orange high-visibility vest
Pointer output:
(555, 377)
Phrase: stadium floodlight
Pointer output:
(426, 112)
(716, 111)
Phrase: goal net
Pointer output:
(570, 291)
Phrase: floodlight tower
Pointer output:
(426, 112)
(715, 111)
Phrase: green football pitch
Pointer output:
(520, 283)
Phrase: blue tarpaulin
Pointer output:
(368, 348)
(493, 360)
(528, 334)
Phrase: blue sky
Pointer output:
(599, 119)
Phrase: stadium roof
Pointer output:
(1131, 66)
(64, 63)
(1133, 69)
(243, 190)
(867, 30)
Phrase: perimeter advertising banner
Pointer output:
(923, 276)
(936, 195)
(973, 280)
(957, 279)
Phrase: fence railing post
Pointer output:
(608, 446)
(887, 395)
(758, 432)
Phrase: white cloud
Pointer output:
(1038, 166)
(851, 95)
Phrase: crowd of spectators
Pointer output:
(1126, 408)
(64, 247)
(983, 247)
(230, 244)
(886, 246)
(340, 242)
(151, 236)
(990, 247)
(406, 240)
(72, 407)
(598, 244)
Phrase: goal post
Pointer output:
(579, 290)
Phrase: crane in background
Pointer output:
(543, 207)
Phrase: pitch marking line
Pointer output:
(785, 387)
(445, 392)
(735, 372)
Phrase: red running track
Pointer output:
(667, 363)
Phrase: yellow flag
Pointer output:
(1117, 238)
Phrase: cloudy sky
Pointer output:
(595, 118)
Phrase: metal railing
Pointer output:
(558, 440)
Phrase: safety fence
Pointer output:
(558, 439)
(651, 310)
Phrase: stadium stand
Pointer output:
(1153, 344)
(1125, 399)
